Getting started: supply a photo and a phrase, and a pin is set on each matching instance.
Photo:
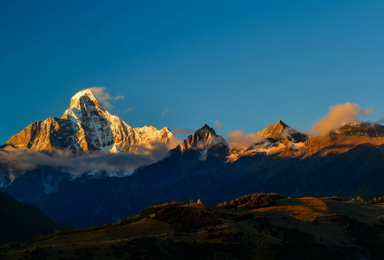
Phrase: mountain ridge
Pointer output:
(278, 158)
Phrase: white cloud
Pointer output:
(130, 109)
(103, 96)
(166, 111)
(26, 159)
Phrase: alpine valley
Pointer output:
(91, 167)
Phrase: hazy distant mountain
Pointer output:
(20, 222)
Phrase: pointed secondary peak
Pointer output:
(274, 129)
(207, 142)
(206, 129)
(281, 130)
(84, 96)
(280, 122)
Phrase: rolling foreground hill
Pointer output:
(254, 226)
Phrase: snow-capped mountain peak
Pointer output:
(201, 139)
(86, 125)
(84, 97)
(357, 128)
(206, 142)
(278, 138)
(280, 131)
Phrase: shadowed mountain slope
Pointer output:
(21, 222)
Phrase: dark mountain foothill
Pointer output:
(20, 222)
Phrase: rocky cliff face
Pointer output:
(87, 126)
(278, 138)
(207, 143)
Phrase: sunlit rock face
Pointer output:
(86, 126)
(207, 143)
(278, 138)
(354, 128)
(282, 140)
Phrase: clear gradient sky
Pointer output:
(243, 63)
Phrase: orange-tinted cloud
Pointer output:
(240, 140)
(218, 125)
(337, 115)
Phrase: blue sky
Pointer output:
(245, 64)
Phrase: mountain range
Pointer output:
(96, 168)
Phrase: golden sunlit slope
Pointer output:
(251, 227)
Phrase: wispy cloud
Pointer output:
(130, 109)
(103, 96)
(218, 125)
(118, 97)
(26, 159)
(337, 115)
(166, 111)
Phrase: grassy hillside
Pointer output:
(251, 227)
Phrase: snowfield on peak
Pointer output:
(278, 138)
(87, 126)
(86, 138)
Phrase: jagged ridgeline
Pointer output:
(346, 162)
(86, 126)
(84, 129)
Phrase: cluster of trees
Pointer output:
(252, 201)
(182, 219)
(374, 200)
(334, 198)
(358, 199)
